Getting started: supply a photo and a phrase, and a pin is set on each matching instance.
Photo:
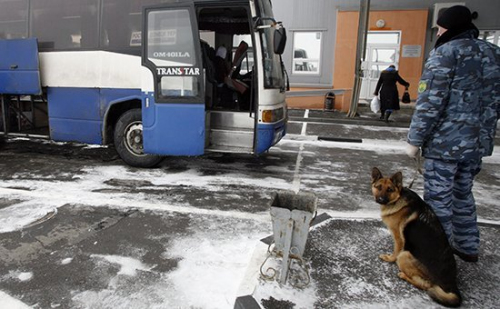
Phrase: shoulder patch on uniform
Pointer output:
(422, 86)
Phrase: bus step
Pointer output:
(236, 139)
(228, 149)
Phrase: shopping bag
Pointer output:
(406, 97)
(375, 104)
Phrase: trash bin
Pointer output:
(329, 101)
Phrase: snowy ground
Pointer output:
(80, 232)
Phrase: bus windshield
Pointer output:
(273, 71)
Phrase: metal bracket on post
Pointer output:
(288, 245)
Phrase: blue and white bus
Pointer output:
(150, 77)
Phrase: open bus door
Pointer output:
(173, 109)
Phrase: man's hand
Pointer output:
(412, 151)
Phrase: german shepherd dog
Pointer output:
(421, 249)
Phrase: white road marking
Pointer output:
(298, 162)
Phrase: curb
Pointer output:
(340, 139)
(298, 137)
(313, 138)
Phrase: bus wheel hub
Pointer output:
(133, 138)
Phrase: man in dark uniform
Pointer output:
(454, 122)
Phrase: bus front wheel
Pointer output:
(129, 143)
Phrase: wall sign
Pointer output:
(412, 51)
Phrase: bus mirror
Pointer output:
(279, 40)
(279, 32)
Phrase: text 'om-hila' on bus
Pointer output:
(153, 78)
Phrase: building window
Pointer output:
(492, 36)
(386, 37)
(306, 53)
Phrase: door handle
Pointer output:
(13, 66)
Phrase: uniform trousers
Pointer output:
(448, 190)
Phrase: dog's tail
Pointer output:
(448, 299)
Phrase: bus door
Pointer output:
(19, 67)
(19, 75)
(231, 83)
(231, 119)
(173, 109)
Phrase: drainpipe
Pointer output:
(364, 12)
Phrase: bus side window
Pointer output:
(62, 24)
(89, 31)
(13, 19)
(115, 30)
(121, 24)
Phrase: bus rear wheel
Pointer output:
(129, 142)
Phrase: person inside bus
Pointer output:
(225, 97)
(239, 55)
(242, 83)
(208, 55)
(222, 66)
(232, 92)
(234, 80)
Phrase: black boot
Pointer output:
(382, 115)
(387, 115)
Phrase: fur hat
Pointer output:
(457, 16)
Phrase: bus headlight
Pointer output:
(272, 115)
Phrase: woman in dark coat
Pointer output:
(389, 96)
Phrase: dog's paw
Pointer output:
(388, 258)
(403, 276)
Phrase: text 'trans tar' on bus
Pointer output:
(150, 77)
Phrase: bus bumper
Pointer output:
(268, 135)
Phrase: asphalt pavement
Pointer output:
(195, 232)
(342, 251)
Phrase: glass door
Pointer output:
(382, 50)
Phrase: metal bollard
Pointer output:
(291, 215)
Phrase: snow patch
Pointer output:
(19, 215)
(210, 269)
(66, 261)
(128, 265)
(25, 276)
(10, 302)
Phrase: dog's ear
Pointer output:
(376, 174)
(397, 179)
